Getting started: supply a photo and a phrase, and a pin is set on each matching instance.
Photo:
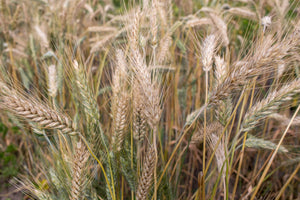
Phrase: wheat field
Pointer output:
(150, 99)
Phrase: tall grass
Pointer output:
(152, 100)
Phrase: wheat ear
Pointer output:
(79, 179)
(147, 175)
(164, 46)
(35, 111)
(221, 26)
(207, 52)
(119, 102)
(52, 80)
(154, 24)
(150, 89)
(285, 120)
(243, 12)
(149, 86)
(271, 103)
(213, 132)
(134, 33)
(265, 56)
(220, 153)
(197, 137)
(220, 71)
(88, 100)
(139, 119)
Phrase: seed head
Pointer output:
(207, 51)
(266, 21)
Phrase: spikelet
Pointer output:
(207, 52)
(120, 75)
(52, 80)
(146, 178)
(78, 176)
(120, 119)
(224, 110)
(164, 46)
(280, 70)
(221, 70)
(152, 108)
(148, 87)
